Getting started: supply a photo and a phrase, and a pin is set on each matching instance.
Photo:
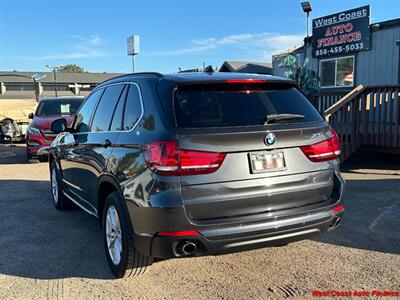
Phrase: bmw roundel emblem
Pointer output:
(270, 139)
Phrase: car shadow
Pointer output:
(13, 154)
(372, 204)
(369, 162)
(38, 241)
(372, 217)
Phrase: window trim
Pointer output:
(335, 86)
(103, 87)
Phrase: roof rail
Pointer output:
(138, 73)
(147, 73)
(198, 70)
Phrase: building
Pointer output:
(346, 51)
(246, 67)
(20, 85)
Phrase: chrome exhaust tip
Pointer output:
(335, 223)
(187, 248)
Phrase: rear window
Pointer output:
(208, 106)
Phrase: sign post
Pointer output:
(341, 33)
(133, 48)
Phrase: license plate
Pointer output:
(267, 161)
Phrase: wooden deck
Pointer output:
(367, 116)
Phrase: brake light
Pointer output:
(245, 80)
(165, 158)
(323, 151)
(179, 233)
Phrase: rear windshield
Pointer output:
(199, 107)
(56, 107)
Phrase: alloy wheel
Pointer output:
(113, 235)
(54, 184)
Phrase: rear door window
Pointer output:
(133, 107)
(117, 120)
(227, 106)
(104, 111)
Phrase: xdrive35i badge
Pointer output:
(270, 139)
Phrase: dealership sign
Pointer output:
(341, 33)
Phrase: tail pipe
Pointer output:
(337, 218)
(335, 222)
(187, 248)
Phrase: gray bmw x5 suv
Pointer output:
(195, 164)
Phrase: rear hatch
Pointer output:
(264, 168)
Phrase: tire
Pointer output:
(43, 159)
(60, 201)
(130, 263)
(31, 159)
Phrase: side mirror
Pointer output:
(59, 125)
(31, 115)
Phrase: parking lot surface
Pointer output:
(45, 253)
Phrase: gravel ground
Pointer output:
(59, 255)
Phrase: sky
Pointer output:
(173, 33)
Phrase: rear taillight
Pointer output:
(338, 209)
(166, 158)
(323, 151)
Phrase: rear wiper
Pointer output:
(281, 117)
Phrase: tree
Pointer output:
(308, 80)
(71, 68)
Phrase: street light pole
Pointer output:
(307, 9)
(54, 78)
(133, 49)
(36, 79)
(55, 81)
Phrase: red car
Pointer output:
(39, 136)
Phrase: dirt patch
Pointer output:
(17, 109)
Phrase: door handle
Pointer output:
(106, 143)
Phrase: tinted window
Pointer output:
(245, 106)
(116, 124)
(84, 114)
(58, 107)
(103, 115)
(133, 107)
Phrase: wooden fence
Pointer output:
(327, 99)
(368, 115)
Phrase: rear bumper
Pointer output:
(215, 240)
